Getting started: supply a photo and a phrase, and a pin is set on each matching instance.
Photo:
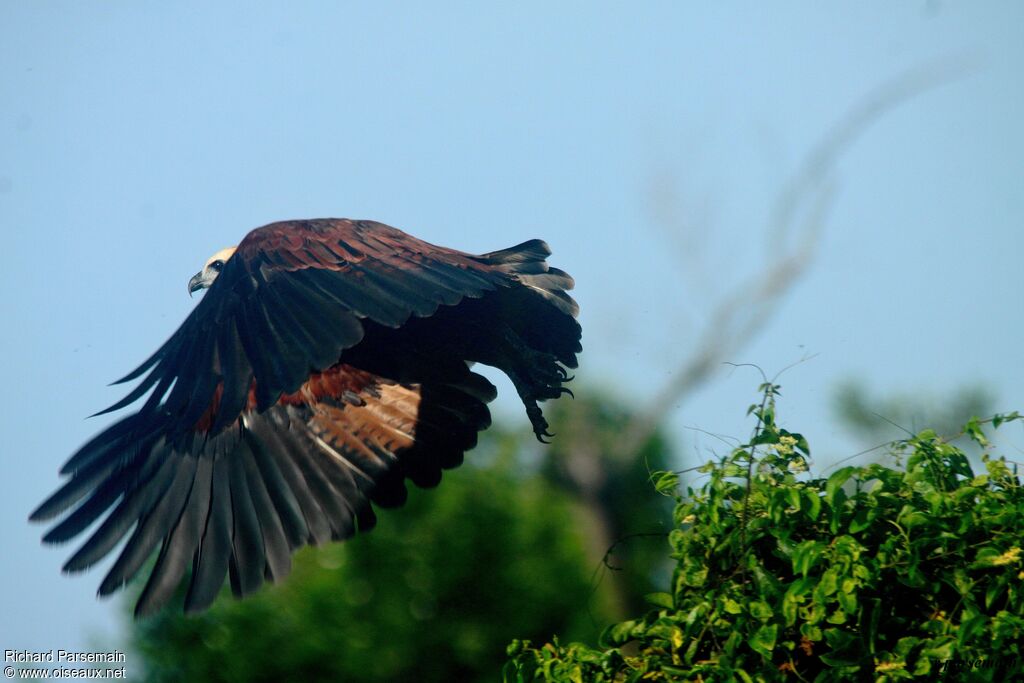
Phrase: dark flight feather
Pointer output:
(328, 363)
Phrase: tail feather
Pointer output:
(531, 251)
(526, 263)
(530, 330)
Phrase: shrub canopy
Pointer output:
(871, 573)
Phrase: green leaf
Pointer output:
(617, 634)
(829, 583)
(794, 596)
(922, 667)
(968, 628)
(985, 557)
(813, 509)
(940, 648)
(994, 592)
(974, 431)
(695, 576)
(835, 482)
(694, 614)
(840, 640)
(905, 645)
(761, 610)
(763, 640)
(811, 632)
(660, 600)
(837, 617)
(860, 521)
(1007, 417)
(793, 494)
(666, 482)
(806, 555)
(732, 471)
(848, 601)
(837, 502)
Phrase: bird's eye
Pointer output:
(217, 265)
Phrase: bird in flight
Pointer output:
(329, 361)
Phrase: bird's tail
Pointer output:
(527, 262)
(535, 335)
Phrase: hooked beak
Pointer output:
(196, 283)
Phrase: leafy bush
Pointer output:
(872, 573)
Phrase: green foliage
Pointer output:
(870, 573)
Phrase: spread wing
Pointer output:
(327, 363)
(290, 300)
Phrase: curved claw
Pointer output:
(545, 433)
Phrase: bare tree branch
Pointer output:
(795, 226)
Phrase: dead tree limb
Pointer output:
(795, 225)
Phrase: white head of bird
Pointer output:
(205, 277)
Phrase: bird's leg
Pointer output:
(536, 375)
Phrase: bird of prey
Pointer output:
(329, 361)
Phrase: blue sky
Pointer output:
(138, 138)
